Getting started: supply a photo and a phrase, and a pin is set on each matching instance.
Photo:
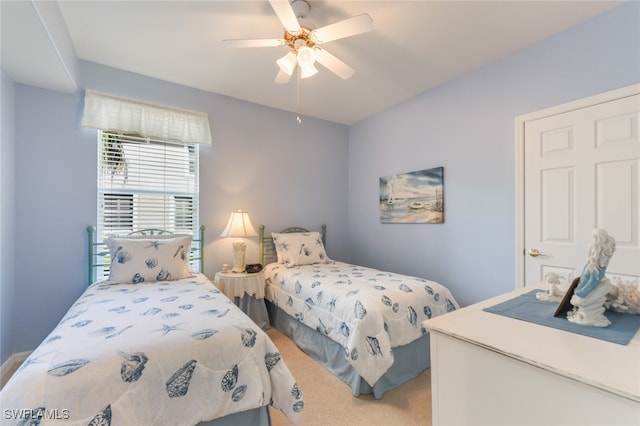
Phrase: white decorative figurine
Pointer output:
(591, 292)
(553, 293)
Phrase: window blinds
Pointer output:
(107, 112)
(146, 185)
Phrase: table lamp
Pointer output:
(240, 227)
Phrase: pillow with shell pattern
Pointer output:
(154, 258)
(300, 248)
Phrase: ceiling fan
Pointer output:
(304, 40)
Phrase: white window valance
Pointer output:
(112, 113)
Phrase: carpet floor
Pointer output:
(329, 401)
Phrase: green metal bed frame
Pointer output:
(268, 248)
(99, 253)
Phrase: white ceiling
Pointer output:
(415, 46)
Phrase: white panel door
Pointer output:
(581, 171)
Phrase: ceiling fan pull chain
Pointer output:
(298, 96)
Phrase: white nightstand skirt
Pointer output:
(247, 292)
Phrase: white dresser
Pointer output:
(487, 369)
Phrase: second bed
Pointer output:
(362, 324)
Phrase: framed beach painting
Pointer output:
(415, 197)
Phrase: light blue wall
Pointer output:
(261, 160)
(7, 214)
(55, 189)
(468, 126)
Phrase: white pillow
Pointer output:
(300, 248)
(136, 260)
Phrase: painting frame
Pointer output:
(413, 197)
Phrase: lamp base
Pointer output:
(239, 251)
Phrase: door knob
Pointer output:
(534, 252)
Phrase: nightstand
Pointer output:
(247, 292)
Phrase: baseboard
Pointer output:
(11, 364)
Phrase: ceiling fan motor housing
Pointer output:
(300, 8)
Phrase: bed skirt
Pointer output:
(256, 417)
(409, 360)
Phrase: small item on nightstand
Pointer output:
(253, 268)
(225, 267)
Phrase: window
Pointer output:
(146, 183)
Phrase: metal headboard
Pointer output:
(99, 252)
(268, 248)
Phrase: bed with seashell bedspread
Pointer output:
(164, 352)
(362, 324)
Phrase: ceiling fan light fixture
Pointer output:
(287, 63)
(308, 71)
(306, 57)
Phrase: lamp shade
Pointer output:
(239, 226)
(287, 63)
(306, 56)
(309, 71)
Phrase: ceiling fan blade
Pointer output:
(334, 64)
(282, 77)
(286, 15)
(263, 42)
(346, 28)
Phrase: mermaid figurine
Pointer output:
(592, 289)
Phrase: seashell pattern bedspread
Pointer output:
(365, 310)
(164, 353)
